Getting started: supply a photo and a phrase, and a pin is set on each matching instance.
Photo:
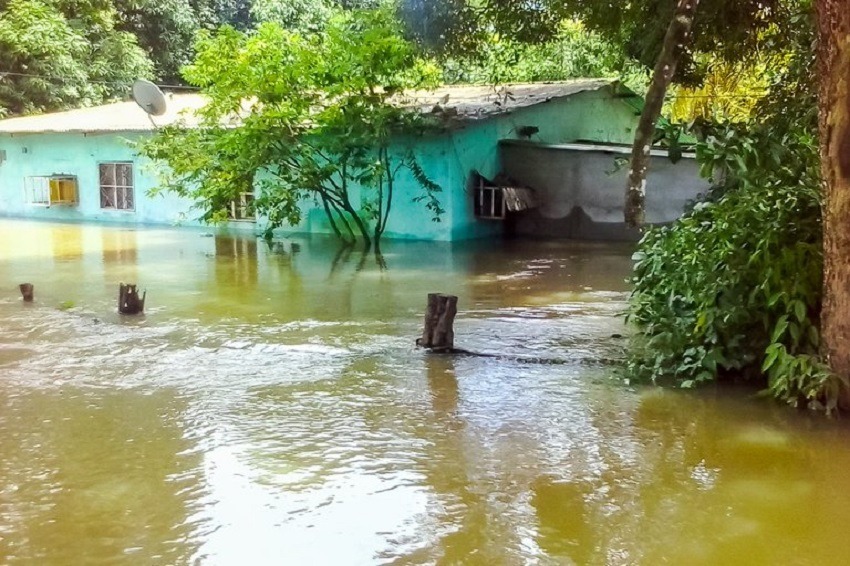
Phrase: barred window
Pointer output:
(242, 208)
(116, 186)
(51, 190)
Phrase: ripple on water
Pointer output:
(271, 408)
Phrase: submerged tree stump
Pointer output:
(27, 291)
(129, 301)
(438, 334)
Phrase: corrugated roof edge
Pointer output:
(453, 105)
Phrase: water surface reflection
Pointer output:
(270, 408)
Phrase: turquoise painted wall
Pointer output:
(593, 115)
(408, 220)
(448, 159)
(79, 155)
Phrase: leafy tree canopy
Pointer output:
(166, 28)
(305, 14)
(729, 29)
(55, 54)
(314, 114)
(59, 53)
(735, 287)
(574, 52)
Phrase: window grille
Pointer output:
(489, 201)
(51, 190)
(494, 199)
(242, 208)
(116, 186)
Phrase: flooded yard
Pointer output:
(270, 408)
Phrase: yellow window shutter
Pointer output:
(55, 190)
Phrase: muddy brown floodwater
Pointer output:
(270, 408)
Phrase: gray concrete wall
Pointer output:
(581, 191)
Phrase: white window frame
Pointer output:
(490, 202)
(239, 207)
(37, 191)
(118, 190)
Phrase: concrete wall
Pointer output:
(451, 157)
(580, 189)
(79, 155)
(592, 115)
(408, 219)
(448, 159)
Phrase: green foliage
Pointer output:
(444, 26)
(734, 287)
(293, 14)
(54, 55)
(77, 52)
(729, 30)
(307, 15)
(301, 116)
(60, 53)
(166, 29)
(574, 52)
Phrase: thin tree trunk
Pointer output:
(361, 225)
(341, 216)
(330, 216)
(345, 204)
(377, 232)
(390, 190)
(678, 35)
(834, 113)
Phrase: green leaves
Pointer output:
(572, 52)
(734, 286)
(313, 121)
(58, 55)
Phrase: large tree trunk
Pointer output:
(677, 37)
(834, 112)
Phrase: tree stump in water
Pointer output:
(26, 291)
(129, 301)
(438, 334)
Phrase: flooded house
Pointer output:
(535, 159)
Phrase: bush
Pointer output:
(733, 288)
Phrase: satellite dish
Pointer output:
(149, 97)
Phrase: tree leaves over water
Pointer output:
(316, 119)
(734, 288)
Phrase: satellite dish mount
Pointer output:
(148, 96)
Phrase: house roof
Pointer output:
(115, 117)
(452, 103)
(475, 102)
